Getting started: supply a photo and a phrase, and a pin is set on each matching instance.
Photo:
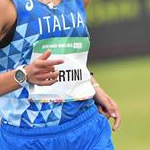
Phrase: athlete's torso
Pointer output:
(36, 22)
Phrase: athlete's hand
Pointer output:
(108, 107)
(42, 71)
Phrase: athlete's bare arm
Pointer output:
(7, 17)
(86, 2)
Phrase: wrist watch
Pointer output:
(20, 76)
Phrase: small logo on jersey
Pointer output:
(29, 5)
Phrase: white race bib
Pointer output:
(74, 81)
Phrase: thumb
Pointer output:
(45, 55)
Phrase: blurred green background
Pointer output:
(127, 81)
(124, 76)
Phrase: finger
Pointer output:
(55, 62)
(111, 108)
(46, 82)
(117, 122)
(47, 69)
(45, 55)
(47, 63)
(49, 75)
(54, 75)
(106, 114)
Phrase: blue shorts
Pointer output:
(89, 131)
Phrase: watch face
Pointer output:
(20, 76)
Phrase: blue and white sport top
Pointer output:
(63, 30)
